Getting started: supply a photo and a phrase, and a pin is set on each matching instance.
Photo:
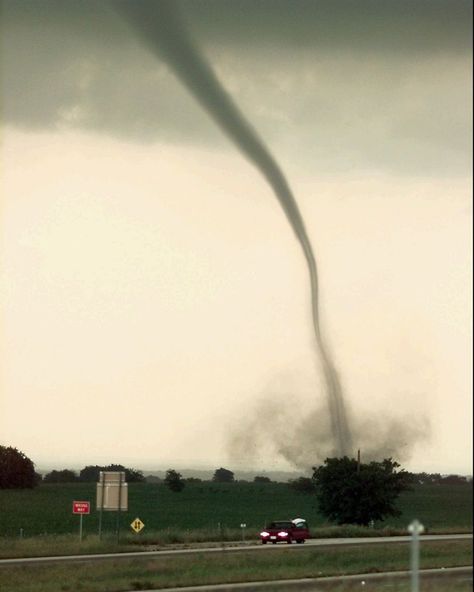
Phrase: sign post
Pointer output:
(81, 508)
(415, 528)
(242, 526)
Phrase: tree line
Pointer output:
(301, 484)
(173, 479)
(17, 471)
(91, 473)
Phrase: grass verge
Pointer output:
(68, 544)
(145, 573)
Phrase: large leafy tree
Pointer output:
(17, 471)
(223, 475)
(352, 493)
(174, 480)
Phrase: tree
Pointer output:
(17, 471)
(425, 478)
(349, 493)
(92, 473)
(438, 479)
(153, 479)
(174, 480)
(64, 476)
(454, 480)
(303, 485)
(223, 476)
(261, 479)
(131, 475)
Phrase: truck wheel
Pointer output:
(300, 541)
(274, 542)
(264, 542)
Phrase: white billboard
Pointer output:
(112, 491)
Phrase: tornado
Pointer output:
(160, 27)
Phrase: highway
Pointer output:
(228, 547)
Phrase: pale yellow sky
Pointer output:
(155, 303)
(152, 297)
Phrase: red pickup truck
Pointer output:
(285, 531)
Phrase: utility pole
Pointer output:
(358, 461)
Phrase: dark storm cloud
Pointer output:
(372, 25)
(73, 64)
(346, 84)
(368, 25)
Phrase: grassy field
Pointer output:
(201, 507)
(145, 573)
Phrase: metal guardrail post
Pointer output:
(415, 528)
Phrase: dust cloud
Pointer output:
(279, 425)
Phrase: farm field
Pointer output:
(47, 509)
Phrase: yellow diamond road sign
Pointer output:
(137, 525)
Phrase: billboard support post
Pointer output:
(119, 508)
(101, 509)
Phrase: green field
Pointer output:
(48, 508)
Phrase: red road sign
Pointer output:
(81, 507)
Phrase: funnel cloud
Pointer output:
(160, 26)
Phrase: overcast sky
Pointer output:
(155, 303)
